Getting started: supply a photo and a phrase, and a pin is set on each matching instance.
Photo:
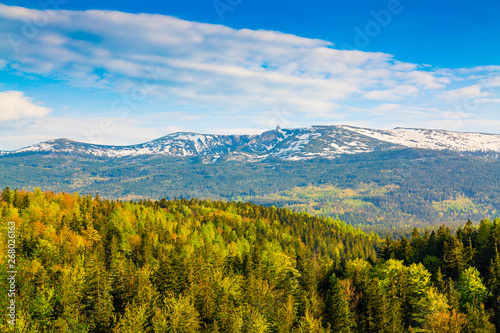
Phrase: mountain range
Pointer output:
(283, 144)
(376, 179)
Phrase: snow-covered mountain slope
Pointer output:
(325, 141)
(284, 144)
(434, 139)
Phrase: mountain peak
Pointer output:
(283, 144)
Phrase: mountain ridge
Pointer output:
(282, 144)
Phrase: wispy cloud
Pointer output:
(199, 63)
(474, 91)
(219, 78)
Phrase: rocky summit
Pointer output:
(282, 144)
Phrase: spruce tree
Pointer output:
(97, 301)
(338, 315)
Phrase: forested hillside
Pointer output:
(86, 264)
(379, 191)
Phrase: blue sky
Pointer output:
(120, 72)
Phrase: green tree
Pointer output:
(97, 300)
(135, 319)
(374, 308)
(472, 290)
(494, 285)
(177, 315)
(338, 314)
(456, 257)
(8, 195)
(478, 320)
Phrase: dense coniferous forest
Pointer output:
(91, 265)
(378, 191)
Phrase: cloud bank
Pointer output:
(195, 63)
(232, 78)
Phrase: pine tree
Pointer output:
(387, 248)
(285, 316)
(405, 251)
(417, 244)
(494, 285)
(394, 317)
(471, 287)
(439, 281)
(178, 315)
(455, 257)
(97, 301)
(17, 202)
(7, 195)
(338, 314)
(478, 321)
(374, 308)
(135, 319)
(494, 278)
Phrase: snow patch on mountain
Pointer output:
(434, 139)
(285, 144)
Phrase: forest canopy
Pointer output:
(85, 264)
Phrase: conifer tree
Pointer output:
(455, 257)
(394, 317)
(478, 320)
(8, 195)
(134, 319)
(97, 301)
(338, 314)
(472, 295)
(439, 280)
(387, 248)
(178, 315)
(494, 285)
(374, 308)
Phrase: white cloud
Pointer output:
(427, 80)
(395, 93)
(490, 68)
(398, 111)
(474, 91)
(388, 107)
(205, 64)
(243, 79)
(14, 106)
(488, 100)
(492, 82)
